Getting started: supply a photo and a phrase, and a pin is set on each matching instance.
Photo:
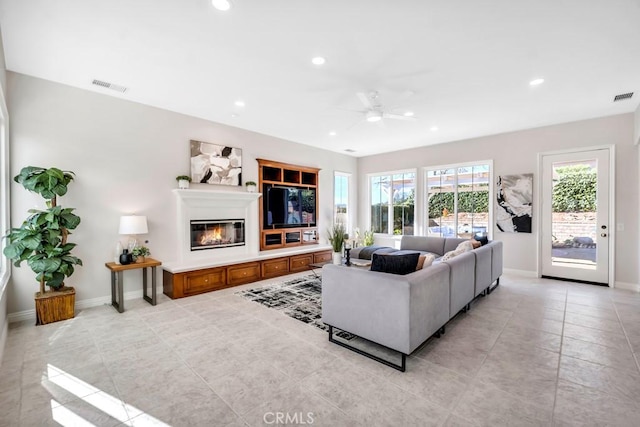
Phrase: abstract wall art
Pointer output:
(215, 164)
(515, 198)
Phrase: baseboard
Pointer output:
(628, 286)
(20, 316)
(525, 273)
(3, 339)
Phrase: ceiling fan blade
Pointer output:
(366, 101)
(398, 117)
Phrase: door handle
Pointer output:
(603, 234)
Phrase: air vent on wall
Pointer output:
(108, 85)
(623, 96)
(350, 150)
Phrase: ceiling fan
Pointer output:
(375, 112)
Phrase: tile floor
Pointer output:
(534, 352)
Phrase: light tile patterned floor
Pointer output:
(534, 352)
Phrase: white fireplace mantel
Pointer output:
(220, 195)
(217, 204)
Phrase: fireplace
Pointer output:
(216, 233)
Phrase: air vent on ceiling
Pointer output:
(108, 85)
(623, 96)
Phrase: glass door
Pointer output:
(575, 216)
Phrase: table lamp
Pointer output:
(131, 225)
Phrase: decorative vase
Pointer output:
(125, 257)
(337, 258)
(117, 252)
(183, 184)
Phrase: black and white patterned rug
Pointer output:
(299, 298)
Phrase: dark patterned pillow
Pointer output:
(395, 264)
(482, 238)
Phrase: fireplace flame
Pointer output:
(212, 237)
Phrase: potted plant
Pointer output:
(336, 236)
(183, 181)
(251, 186)
(368, 238)
(139, 253)
(41, 240)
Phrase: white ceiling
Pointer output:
(467, 62)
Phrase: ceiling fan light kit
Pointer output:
(374, 116)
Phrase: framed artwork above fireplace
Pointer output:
(215, 163)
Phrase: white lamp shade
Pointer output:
(133, 224)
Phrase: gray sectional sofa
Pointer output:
(402, 311)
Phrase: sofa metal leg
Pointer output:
(490, 289)
(403, 363)
(440, 332)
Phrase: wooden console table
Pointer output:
(117, 282)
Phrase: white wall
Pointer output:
(517, 152)
(126, 157)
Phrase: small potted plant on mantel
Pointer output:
(139, 253)
(251, 186)
(41, 240)
(337, 237)
(183, 181)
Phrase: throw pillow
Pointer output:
(482, 239)
(425, 261)
(395, 264)
(448, 255)
(464, 247)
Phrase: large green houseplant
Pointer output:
(42, 242)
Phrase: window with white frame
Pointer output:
(341, 199)
(459, 199)
(392, 198)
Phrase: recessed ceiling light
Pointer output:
(234, 115)
(536, 82)
(433, 128)
(318, 60)
(239, 103)
(222, 5)
(332, 134)
(408, 114)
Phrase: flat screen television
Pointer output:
(289, 206)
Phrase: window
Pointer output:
(341, 199)
(392, 199)
(4, 189)
(458, 200)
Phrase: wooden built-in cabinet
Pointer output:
(277, 230)
(179, 285)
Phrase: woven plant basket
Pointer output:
(55, 305)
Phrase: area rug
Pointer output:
(299, 298)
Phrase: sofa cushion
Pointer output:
(395, 264)
(367, 251)
(423, 244)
